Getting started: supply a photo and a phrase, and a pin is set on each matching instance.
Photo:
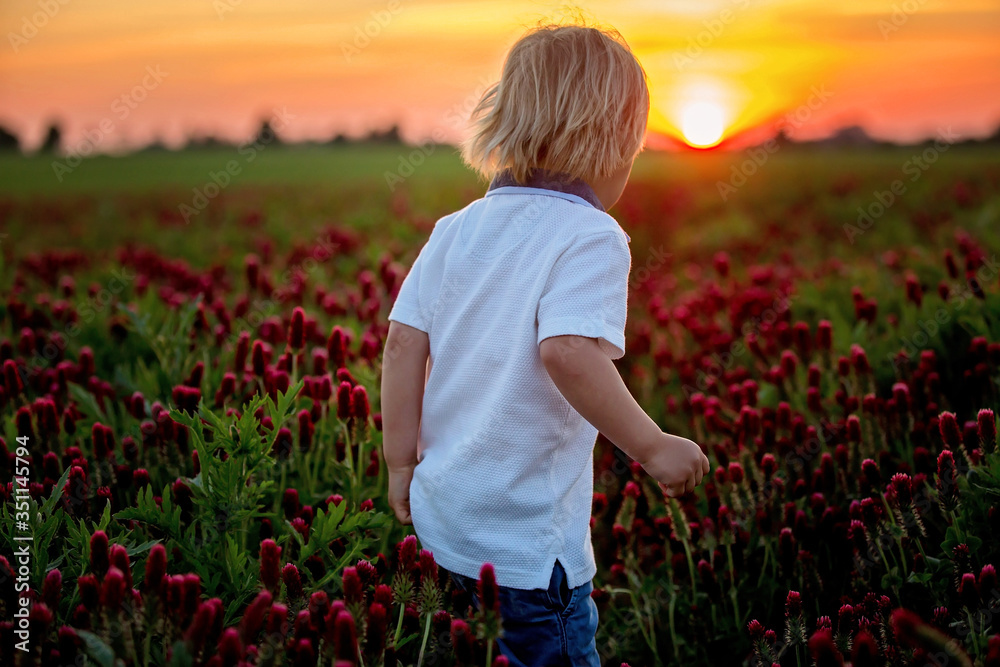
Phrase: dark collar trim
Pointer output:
(548, 180)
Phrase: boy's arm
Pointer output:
(404, 364)
(589, 381)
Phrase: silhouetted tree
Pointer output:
(53, 139)
(205, 142)
(8, 140)
(390, 136)
(852, 135)
(266, 134)
(155, 146)
(993, 138)
(782, 139)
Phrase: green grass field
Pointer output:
(367, 165)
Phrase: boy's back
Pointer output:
(506, 472)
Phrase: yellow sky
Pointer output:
(901, 68)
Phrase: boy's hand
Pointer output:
(399, 493)
(677, 464)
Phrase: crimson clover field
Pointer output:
(190, 401)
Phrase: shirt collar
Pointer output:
(549, 180)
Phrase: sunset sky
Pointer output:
(903, 69)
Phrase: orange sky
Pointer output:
(900, 68)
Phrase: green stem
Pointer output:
(732, 585)
(972, 634)
(130, 640)
(423, 642)
(381, 471)
(673, 632)
(319, 447)
(349, 459)
(902, 554)
(642, 626)
(885, 561)
(385, 542)
(306, 472)
(399, 624)
(489, 654)
(281, 487)
(633, 597)
(652, 631)
(145, 646)
(888, 510)
(954, 523)
(691, 570)
(359, 473)
(763, 567)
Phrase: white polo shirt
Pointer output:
(505, 472)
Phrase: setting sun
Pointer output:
(702, 124)
(698, 110)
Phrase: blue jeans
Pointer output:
(545, 628)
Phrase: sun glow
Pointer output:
(698, 110)
(702, 124)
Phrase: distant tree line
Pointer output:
(853, 136)
(53, 142)
(10, 141)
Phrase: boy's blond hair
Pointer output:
(571, 99)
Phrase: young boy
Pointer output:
(498, 372)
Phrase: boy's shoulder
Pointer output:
(581, 218)
(594, 221)
(442, 223)
(577, 221)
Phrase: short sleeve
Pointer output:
(586, 293)
(406, 309)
